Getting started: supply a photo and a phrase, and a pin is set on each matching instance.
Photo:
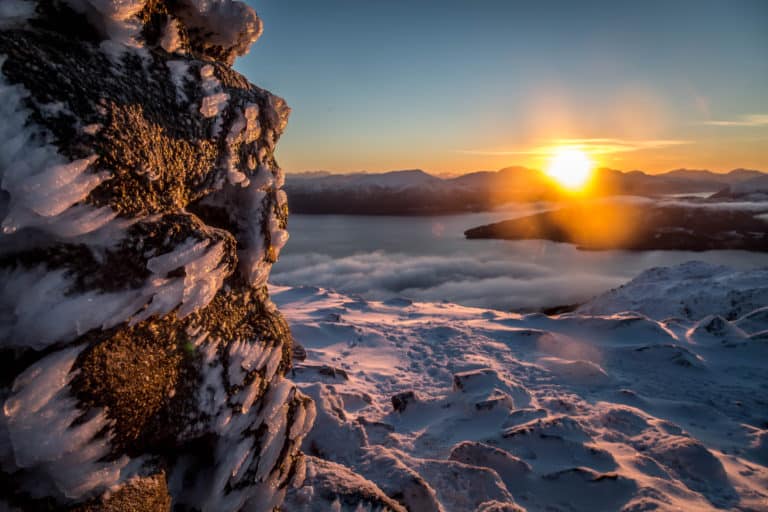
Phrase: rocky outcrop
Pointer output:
(143, 364)
(331, 486)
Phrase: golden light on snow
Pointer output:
(570, 167)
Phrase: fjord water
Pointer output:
(428, 259)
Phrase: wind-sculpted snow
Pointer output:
(143, 363)
(690, 291)
(448, 408)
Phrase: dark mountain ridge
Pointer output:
(415, 192)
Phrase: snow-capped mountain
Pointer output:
(417, 192)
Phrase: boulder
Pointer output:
(141, 209)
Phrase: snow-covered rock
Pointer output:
(143, 363)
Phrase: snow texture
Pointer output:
(451, 408)
(204, 275)
(691, 291)
(179, 74)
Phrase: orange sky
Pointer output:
(649, 155)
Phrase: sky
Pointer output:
(458, 86)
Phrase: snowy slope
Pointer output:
(448, 408)
(691, 290)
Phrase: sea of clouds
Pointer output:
(428, 259)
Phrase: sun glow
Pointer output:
(570, 167)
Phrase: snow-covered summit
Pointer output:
(448, 408)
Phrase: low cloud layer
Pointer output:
(748, 120)
(428, 259)
(489, 283)
(596, 146)
(464, 279)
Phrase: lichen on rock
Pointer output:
(143, 363)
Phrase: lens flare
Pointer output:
(570, 167)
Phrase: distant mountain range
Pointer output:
(414, 192)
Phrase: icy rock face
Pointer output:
(143, 363)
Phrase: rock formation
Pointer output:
(142, 361)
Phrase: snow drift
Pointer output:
(450, 408)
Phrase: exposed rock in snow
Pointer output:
(496, 411)
(143, 363)
(330, 486)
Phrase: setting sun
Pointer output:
(570, 167)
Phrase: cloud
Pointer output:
(598, 146)
(379, 258)
(476, 281)
(749, 120)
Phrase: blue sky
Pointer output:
(456, 86)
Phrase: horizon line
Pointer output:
(458, 173)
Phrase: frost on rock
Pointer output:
(114, 19)
(42, 436)
(143, 362)
(221, 28)
(41, 185)
(171, 39)
(179, 70)
(204, 274)
(16, 12)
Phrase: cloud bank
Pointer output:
(428, 259)
(596, 146)
(749, 120)
(467, 280)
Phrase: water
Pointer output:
(428, 259)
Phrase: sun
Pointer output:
(570, 167)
